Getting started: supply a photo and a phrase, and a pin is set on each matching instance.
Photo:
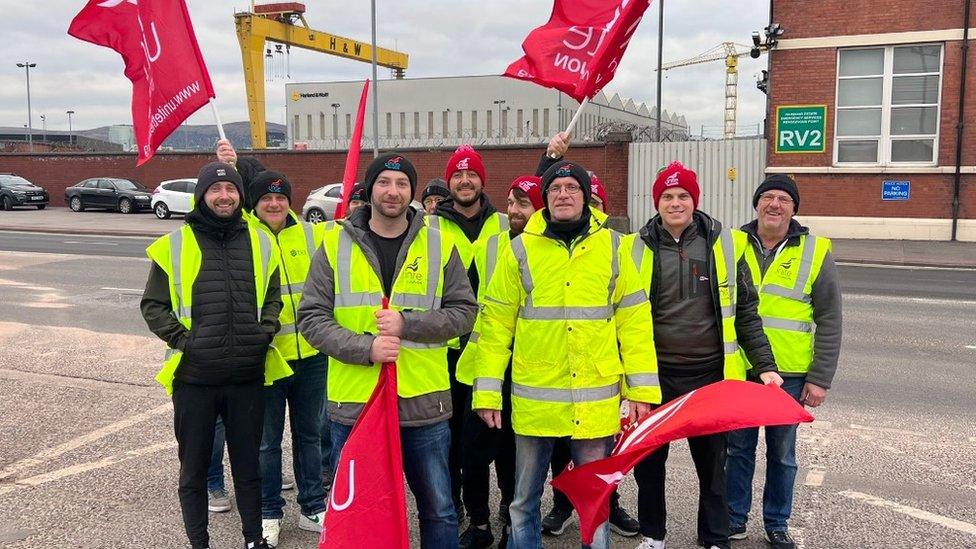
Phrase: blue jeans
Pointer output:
(303, 392)
(780, 469)
(532, 456)
(426, 452)
(215, 474)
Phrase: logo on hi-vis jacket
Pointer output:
(414, 265)
(786, 268)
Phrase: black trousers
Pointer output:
(708, 453)
(482, 446)
(195, 412)
(460, 401)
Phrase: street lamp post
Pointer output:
(43, 128)
(335, 125)
(27, 66)
(499, 102)
(71, 139)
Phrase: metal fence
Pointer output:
(728, 199)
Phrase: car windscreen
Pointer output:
(14, 181)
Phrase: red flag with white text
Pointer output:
(719, 407)
(162, 59)
(368, 503)
(579, 49)
(352, 157)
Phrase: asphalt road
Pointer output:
(88, 457)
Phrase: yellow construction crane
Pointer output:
(279, 23)
(730, 52)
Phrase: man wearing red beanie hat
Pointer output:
(466, 216)
(704, 309)
(482, 445)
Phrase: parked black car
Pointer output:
(17, 191)
(112, 193)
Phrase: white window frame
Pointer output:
(885, 139)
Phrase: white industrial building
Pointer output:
(448, 111)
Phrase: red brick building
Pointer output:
(882, 83)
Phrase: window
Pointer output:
(460, 124)
(308, 130)
(416, 125)
(888, 105)
(535, 122)
(403, 125)
(389, 125)
(322, 125)
(474, 123)
(504, 122)
(518, 122)
(430, 124)
(105, 184)
(295, 129)
(488, 123)
(334, 192)
(444, 125)
(349, 126)
(545, 122)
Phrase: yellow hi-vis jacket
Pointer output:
(784, 300)
(728, 248)
(496, 223)
(179, 255)
(581, 326)
(296, 246)
(418, 286)
(486, 254)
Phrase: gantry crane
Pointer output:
(730, 52)
(279, 23)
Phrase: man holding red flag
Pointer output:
(162, 59)
(385, 250)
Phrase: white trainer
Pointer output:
(650, 543)
(312, 523)
(271, 529)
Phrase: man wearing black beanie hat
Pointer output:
(566, 217)
(216, 365)
(780, 182)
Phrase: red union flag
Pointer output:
(368, 504)
(352, 156)
(577, 52)
(156, 41)
(723, 406)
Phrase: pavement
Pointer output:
(914, 253)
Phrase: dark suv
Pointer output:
(113, 193)
(17, 191)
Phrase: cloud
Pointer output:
(442, 37)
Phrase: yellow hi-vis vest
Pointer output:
(418, 286)
(179, 255)
(486, 254)
(496, 223)
(726, 252)
(296, 245)
(784, 300)
(581, 326)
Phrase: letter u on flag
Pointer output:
(577, 52)
(719, 407)
(162, 59)
(368, 504)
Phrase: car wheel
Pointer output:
(75, 204)
(125, 206)
(41, 206)
(5, 204)
(161, 210)
(315, 215)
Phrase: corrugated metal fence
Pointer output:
(728, 201)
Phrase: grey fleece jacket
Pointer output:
(826, 300)
(317, 322)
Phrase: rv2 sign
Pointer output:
(801, 128)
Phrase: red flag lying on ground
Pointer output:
(368, 504)
(723, 406)
(579, 49)
(352, 157)
(162, 59)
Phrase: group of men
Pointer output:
(517, 339)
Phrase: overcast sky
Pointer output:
(442, 37)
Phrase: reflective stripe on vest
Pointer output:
(642, 380)
(728, 253)
(429, 300)
(487, 384)
(548, 394)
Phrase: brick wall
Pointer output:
(845, 17)
(308, 170)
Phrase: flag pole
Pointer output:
(572, 123)
(220, 127)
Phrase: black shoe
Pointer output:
(622, 523)
(260, 544)
(737, 532)
(556, 521)
(780, 539)
(476, 538)
(503, 539)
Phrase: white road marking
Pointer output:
(904, 267)
(947, 522)
(93, 243)
(886, 430)
(140, 290)
(905, 299)
(814, 478)
(50, 453)
(971, 346)
(821, 425)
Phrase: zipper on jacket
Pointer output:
(681, 271)
(294, 311)
(224, 264)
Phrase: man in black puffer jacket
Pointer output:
(224, 276)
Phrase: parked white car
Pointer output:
(174, 196)
(321, 203)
